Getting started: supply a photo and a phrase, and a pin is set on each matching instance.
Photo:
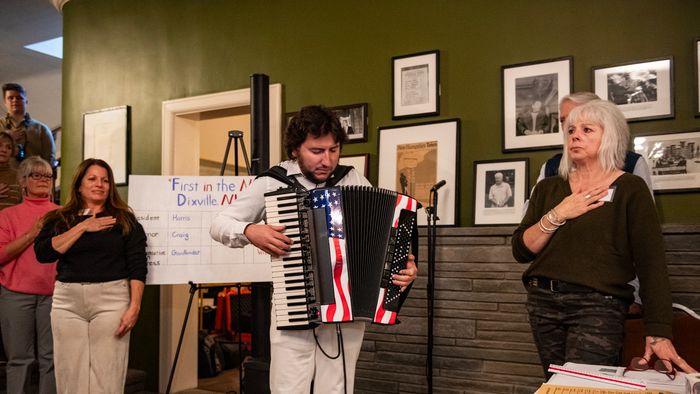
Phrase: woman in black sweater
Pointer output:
(101, 253)
(586, 233)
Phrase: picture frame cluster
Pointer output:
(412, 157)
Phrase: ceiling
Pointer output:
(25, 22)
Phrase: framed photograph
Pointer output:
(106, 136)
(500, 188)
(696, 64)
(531, 94)
(353, 119)
(642, 90)
(413, 158)
(360, 162)
(673, 159)
(415, 85)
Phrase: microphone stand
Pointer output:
(431, 212)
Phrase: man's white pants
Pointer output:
(296, 360)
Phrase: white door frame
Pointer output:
(180, 139)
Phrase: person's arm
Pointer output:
(62, 242)
(230, 225)
(492, 195)
(48, 146)
(571, 207)
(520, 126)
(15, 247)
(129, 318)
(137, 268)
(540, 176)
(641, 169)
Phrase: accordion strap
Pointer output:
(280, 174)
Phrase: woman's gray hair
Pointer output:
(31, 163)
(615, 139)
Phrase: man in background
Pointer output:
(500, 192)
(533, 121)
(31, 136)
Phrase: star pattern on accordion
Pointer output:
(330, 200)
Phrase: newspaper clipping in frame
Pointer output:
(416, 169)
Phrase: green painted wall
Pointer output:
(339, 52)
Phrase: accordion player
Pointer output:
(347, 242)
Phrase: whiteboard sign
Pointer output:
(176, 212)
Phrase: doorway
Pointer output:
(189, 126)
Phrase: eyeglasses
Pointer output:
(39, 176)
(642, 364)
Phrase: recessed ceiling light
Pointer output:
(52, 47)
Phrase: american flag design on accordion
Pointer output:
(402, 223)
(331, 200)
(387, 304)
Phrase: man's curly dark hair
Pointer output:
(315, 120)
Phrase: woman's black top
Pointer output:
(101, 256)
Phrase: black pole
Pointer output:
(432, 235)
(235, 155)
(260, 122)
(257, 368)
(193, 289)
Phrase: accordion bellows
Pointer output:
(348, 241)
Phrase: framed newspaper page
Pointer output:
(414, 158)
(416, 85)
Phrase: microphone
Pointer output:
(438, 185)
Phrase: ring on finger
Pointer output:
(587, 196)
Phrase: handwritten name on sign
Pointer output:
(176, 213)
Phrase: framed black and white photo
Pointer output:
(673, 159)
(500, 188)
(696, 68)
(416, 85)
(353, 119)
(531, 94)
(643, 90)
(106, 136)
(413, 158)
(360, 162)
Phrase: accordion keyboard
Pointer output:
(293, 293)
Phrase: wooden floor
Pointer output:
(225, 382)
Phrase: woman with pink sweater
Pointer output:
(26, 285)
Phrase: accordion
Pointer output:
(347, 242)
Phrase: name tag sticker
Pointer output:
(609, 197)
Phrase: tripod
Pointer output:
(235, 135)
